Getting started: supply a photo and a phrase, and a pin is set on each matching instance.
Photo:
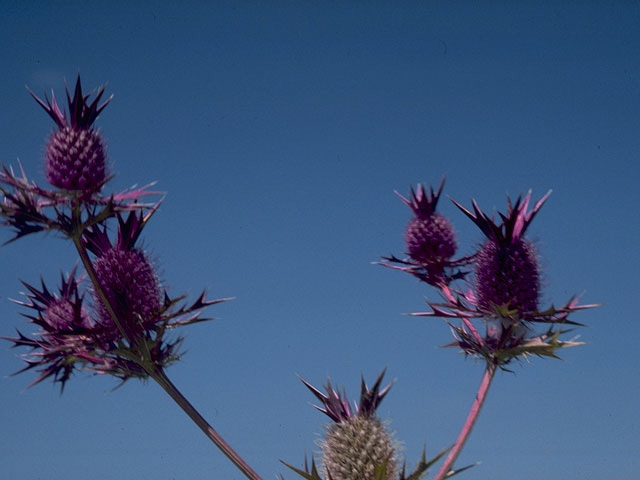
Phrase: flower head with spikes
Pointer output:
(506, 266)
(75, 164)
(430, 241)
(65, 338)
(75, 156)
(357, 442)
(126, 276)
(358, 445)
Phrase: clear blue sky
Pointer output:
(280, 133)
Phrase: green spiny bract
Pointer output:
(358, 444)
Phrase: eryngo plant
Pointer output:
(115, 317)
(503, 294)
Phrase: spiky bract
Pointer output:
(75, 156)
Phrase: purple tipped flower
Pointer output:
(63, 339)
(75, 156)
(431, 241)
(429, 236)
(506, 268)
(125, 274)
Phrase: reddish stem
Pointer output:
(469, 423)
(199, 420)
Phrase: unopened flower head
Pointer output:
(358, 442)
(431, 241)
(429, 236)
(506, 265)
(75, 155)
(125, 274)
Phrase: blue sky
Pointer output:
(279, 132)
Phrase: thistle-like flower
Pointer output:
(357, 443)
(429, 235)
(64, 337)
(126, 276)
(75, 155)
(506, 265)
(430, 239)
(75, 163)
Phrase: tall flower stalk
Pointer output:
(122, 331)
(503, 294)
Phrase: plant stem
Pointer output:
(162, 379)
(469, 423)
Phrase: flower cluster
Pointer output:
(118, 323)
(505, 289)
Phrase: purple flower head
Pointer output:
(125, 274)
(506, 265)
(429, 235)
(75, 156)
(430, 239)
(336, 405)
(65, 335)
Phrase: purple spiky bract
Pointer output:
(75, 155)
